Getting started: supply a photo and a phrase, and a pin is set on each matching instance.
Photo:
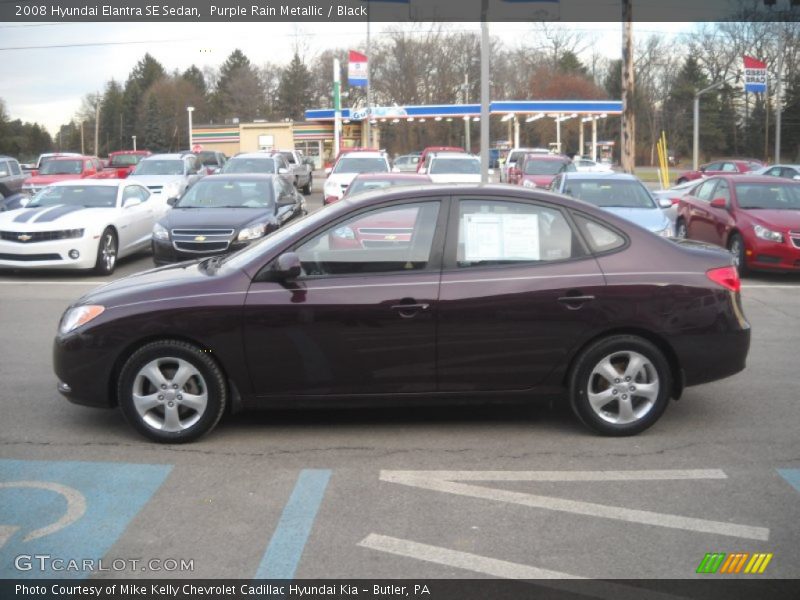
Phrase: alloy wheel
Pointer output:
(170, 394)
(623, 387)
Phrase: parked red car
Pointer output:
(756, 217)
(721, 167)
(123, 162)
(539, 170)
(64, 168)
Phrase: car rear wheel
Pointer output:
(681, 232)
(736, 248)
(307, 187)
(172, 392)
(106, 253)
(620, 385)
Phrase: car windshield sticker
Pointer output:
(501, 237)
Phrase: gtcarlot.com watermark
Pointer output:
(55, 564)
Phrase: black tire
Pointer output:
(107, 251)
(599, 415)
(736, 248)
(681, 231)
(205, 383)
(307, 187)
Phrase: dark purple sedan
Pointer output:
(442, 294)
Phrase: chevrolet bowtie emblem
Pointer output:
(24, 237)
(200, 238)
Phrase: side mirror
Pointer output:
(172, 201)
(283, 171)
(287, 266)
(719, 203)
(665, 203)
(131, 202)
(287, 200)
(328, 170)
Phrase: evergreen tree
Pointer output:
(240, 91)
(112, 110)
(790, 134)
(146, 72)
(153, 137)
(195, 76)
(295, 91)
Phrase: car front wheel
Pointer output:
(736, 248)
(620, 385)
(172, 392)
(681, 232)
(106, 253)
(307, 187)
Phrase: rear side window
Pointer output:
(496, 232)
(15, 170)
(600, 237)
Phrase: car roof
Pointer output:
(458, 155)
(240, 177)
(364, 153)
(753, 179)
(392, 176)
(601, 175)
(168, 156)
(96, 182)
(260, 154)
(538, 156)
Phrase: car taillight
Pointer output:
(727, 277)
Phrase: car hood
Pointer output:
(341, 178)
(650, 218)
(775, 219)
(48, 218)
(48, 179)
(234, 218)
(539, 180)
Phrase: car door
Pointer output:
(135, 219)
(518, 290)
(286, 200)
(361, 319)
(721, 219)
(697, 213)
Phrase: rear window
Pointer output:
(459, 166)
(542, 167)
(249, 165)
(361, 165)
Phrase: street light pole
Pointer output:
(467, 141)
(190, 110)
(696, 137)
(484, 91)
(134, 142)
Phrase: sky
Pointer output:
(48, 68)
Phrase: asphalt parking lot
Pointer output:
(399, 493)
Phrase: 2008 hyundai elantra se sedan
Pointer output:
(416, 295)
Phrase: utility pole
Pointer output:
(97, 125)
(628, 132)
(696, 136)
(367, 124)
(337, 106)
(484, 91)
(467, 141)
(779, 100)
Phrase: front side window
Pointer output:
(729, 167)
(15, 170)
(496, 232)
(723, 192)
(706, 190)
(391, 239)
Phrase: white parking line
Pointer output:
(508, 570)
(445, 481)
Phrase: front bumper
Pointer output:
(164, 252)
(84, 369)
(49, 254)
(775, 256)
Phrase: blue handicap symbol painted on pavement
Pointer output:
(792, 476)
(67, 511)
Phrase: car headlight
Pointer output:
(332, 188)
(79, 315)
(171, 190)
(528, 184)
(160, 232)
(767, 234)
(252, 232)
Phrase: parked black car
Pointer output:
(224, 213)
(414, 295)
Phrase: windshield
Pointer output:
(125, 160)
(459, 166)
(249, 165)
(361, 165)
(774, 196)
(207, 158)
(62, 167)
(159, 167)
(228, 194)
(288, 156)
(366, 185)
(542, 167)
(90, 196)
(607, 194)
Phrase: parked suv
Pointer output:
(11, 178)
(347, 166)
(168, 175)
(269, 163)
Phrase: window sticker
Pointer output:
(501, 237)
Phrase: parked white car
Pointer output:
(348, 165)
(454, 167)
(78, 224)
(587, 165)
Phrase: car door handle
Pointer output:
(408, 311)
(576, 301)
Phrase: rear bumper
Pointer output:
(711, 356)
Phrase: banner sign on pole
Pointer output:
(755, 75)
(357, 69)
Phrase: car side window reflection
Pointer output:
(723, 192)
(600, 237)
(494, 232)
(385, 240)
(705, 191)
